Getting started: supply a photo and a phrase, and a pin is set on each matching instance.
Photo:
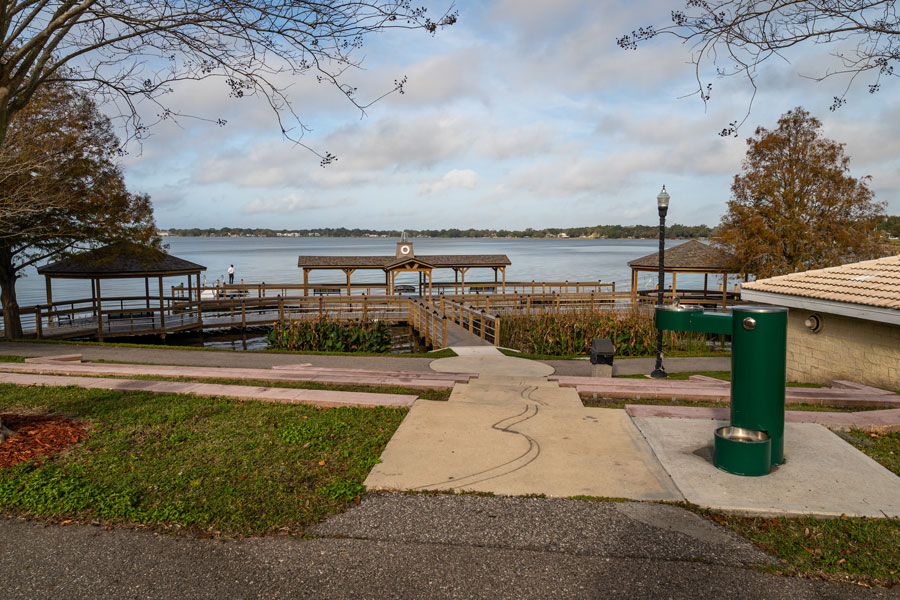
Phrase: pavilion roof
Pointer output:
(121, 260)
(445, 261)
(690, 256)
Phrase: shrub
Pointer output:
(632, 332)
(326, 335)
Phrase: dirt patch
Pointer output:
(38, 435)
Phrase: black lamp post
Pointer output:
(662, 202)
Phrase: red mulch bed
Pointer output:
(38, 435)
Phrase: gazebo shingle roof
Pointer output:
(690, 255)
(121, 259)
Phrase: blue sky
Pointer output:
(523, 114)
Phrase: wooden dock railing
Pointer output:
(476, 321)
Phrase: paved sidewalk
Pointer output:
(519, 434)
(267, 360)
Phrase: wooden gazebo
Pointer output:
(405, 261)
(690, 257)
(121, 260)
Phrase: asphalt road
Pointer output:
(397, 546)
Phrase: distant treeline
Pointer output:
(598, 231)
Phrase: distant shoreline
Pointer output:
(325, 237)
(595, 232)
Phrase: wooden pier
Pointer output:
(444, 320)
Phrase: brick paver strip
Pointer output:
(326, 398)
(870, 420)
(708, 389)
(410, 379)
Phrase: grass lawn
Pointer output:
(844, 549)
(11, 358)
(202, 465)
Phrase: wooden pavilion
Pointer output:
(690, 257)
(405, 261)
(121, 260)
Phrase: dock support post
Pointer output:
(497, 331)
(37, 320)
(280, 309)
(243, 315)
(482, 324)
(444, 331)
(162, 310)
(365, 309)
(49, 301)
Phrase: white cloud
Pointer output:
(290, 204)
(465, 178)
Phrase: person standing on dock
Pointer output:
(231, 274)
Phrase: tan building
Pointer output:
(844, 322)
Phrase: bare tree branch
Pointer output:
(735, 37)
(133, 51)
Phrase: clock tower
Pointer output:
(404, 247)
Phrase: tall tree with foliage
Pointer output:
(61, 189)
(735, 37)
(132, 52)
(795, 206)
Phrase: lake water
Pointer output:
(274, 260)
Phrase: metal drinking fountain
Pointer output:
(754, 442)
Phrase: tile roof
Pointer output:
(871, 282)
(383, 262)
(690, 255)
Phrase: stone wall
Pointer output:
(845, 348)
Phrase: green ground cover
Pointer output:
(202, 465)
(846, 549)
(11, 358)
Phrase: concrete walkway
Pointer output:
(518, 434)
(266, 360)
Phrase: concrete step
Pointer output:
(869, 420)
(238, 392)
(346, 377)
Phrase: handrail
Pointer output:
(478, 322)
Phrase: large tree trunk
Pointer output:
(12, 322)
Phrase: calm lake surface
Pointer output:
(274, 260)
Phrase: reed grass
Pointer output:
(632, 331)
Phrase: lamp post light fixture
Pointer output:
(662, 203)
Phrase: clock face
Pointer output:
(404, 249)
